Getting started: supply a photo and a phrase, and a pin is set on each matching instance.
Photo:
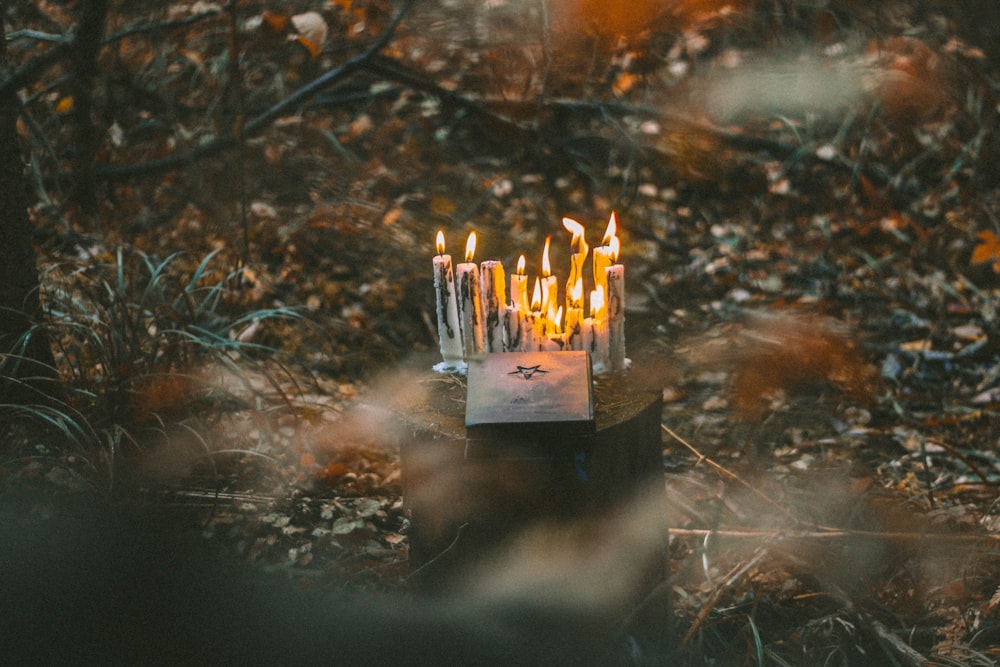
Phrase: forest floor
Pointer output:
(813, 292)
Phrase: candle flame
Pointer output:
(520, 265)
(576, 294)
(596, 301)
(615, 248)
(612, 229)
(546, 266)
(579, 242)
(557, 318)
(439, 242)
(536, 298)
(470, 247)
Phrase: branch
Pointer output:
(255, 125)
(32, 70)
(86, 45)
(830, 534)
(311, 88)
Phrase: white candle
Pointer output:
(555, 341)
(574, 317)
(449, 336)
(494, 284)
(579, 250)
(538, 320)
(513, 320)
(529, 329)
(602, 258)
(519, 287)
(616, 310)
(595, 334)
(470, 309)
(549, 286)
(552, 343)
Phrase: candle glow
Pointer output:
(616, 309)
(595, 333)
(474, 316)
(494, 290)
(549, 286)
(579, 250)
(470, 307)
(470, 247)
(574, 316)
(611, 230)
(603, 259)
(519, 286)
(449, 332)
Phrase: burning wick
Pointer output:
(549, 286)
(470, 308)
(494, 303)
(519, 286)
(474, 316)
(574, 316)
(602, 258)
(616, 309)
(595, 333)
(449, 335)
(579, 250)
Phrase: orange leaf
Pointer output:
(988, 250)
(65, 105)
(312, 48)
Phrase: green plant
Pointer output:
(143, 344)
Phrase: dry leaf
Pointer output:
(64, 105)
(988, 250)
(312, 31)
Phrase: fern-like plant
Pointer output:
(141, 345)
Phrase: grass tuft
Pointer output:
(144, 348)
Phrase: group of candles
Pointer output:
(474, 316)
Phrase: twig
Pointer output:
(444, 552)
(829, 534)
(964, 459)
(251, 127)
(725, 472)
(732, 578)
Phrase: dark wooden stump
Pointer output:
(463, 508)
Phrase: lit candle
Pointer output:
(494, 302)
(595, 333)
(602, 258)
(554, 342)
(519, 286)
(449, 336)
(574, 317)
(533, 331)
(549, 286)
(513, 322)
(616, 309)
(579, 250)
(470, 309)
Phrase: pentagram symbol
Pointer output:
(528, 371)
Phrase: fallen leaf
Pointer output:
(988, 250)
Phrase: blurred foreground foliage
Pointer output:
(235, 205)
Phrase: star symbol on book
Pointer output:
(528, 371)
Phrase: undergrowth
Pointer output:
(145, 348)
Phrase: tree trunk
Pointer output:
(26, 361)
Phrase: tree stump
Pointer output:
(463, 508)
